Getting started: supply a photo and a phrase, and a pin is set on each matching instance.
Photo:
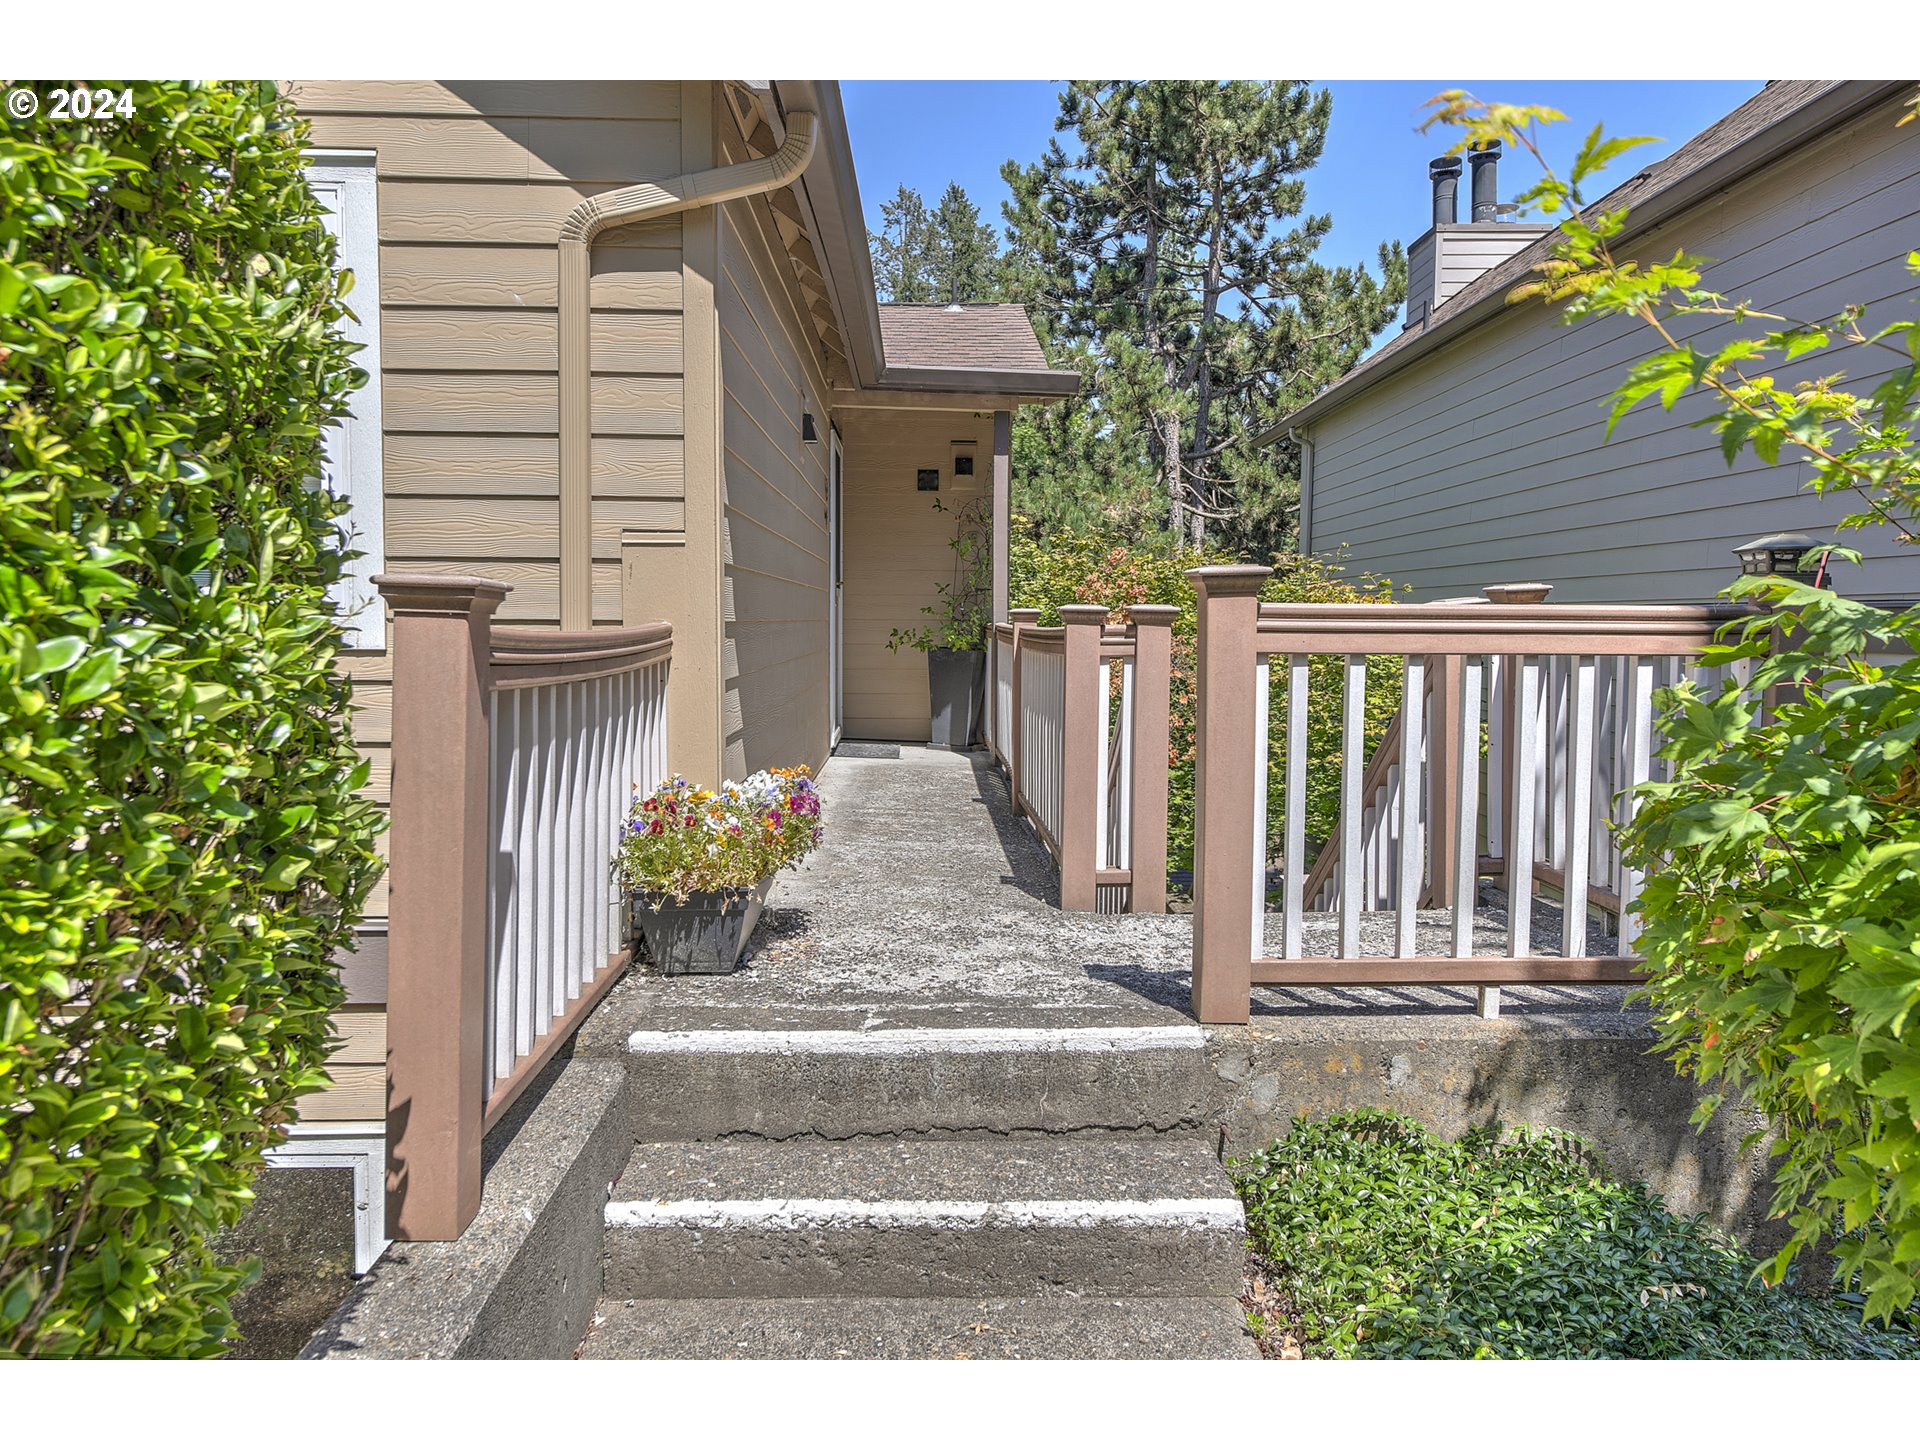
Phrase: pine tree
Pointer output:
(1172, 243)
(903, 250)
(966, 252)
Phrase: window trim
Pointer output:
(344, 182)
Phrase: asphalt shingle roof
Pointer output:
(970, 337)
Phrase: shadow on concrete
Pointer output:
(1029, 865)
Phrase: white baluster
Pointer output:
(1466, 820)
(1639, 758)
(1526, 777)
(1262, 709)
(1577, 870)
(1413, 714)
(1294, 837)
(1353, 741)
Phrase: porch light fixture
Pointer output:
(808, 432)
(1781, 554)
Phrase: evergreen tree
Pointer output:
(1173, 246)
(966, 252)
(902, 250)
(935, 257)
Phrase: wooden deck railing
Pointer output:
(1563, 764)
(1078, 718)
(515, 753)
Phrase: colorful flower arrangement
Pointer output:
(683, 838)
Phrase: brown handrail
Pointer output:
(449, 661)
(1237, 631)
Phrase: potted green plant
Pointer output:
(698, 863)
(955, 641)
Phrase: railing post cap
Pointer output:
(441, 594)
(1023, 616)
(1212, 580)
(1083, 614)
(1153, 614)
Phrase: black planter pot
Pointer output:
(957, 688)
(703, 934)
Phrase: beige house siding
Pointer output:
(474, 179)
(1486, 460)
(897, 552)
(774, 662)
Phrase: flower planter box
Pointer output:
(705, 934)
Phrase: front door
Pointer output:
(835, 579)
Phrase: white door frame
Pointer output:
(836, 519)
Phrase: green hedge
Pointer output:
(180, 844)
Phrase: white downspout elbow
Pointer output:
(649, 200)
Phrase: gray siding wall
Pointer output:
(1487, 461)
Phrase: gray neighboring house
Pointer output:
(1471, 449)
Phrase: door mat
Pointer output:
(867, 750)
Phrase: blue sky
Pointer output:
(1372, 178)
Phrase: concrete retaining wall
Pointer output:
(1592, 1075)
(522, 1282)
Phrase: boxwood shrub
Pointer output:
(181, 846)
(1379, 1239)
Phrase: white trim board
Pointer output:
(343, 182)
(1197, 1213)
(333, 1145)
(917, 1042)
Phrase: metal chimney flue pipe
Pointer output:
(1445, 174)
(1486, 182)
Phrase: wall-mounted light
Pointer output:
(808, 431)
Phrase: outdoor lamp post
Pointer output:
(1781, 554)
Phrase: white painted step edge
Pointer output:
(917, 1042)
(1190, 1214)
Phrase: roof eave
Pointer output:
(830, 196)
(1830, 108)
(1040, 384)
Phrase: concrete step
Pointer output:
(922, 1218)
(1032, 1327)
(781, 1084)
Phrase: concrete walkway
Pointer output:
(931, 905)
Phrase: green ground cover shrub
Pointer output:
(181, 845)
(1094, 569)
(1387, 1242)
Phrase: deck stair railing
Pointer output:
(1078, 720)
(1568, 691)
(515, 754)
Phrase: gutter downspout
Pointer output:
(649, 200)
(1305, 442)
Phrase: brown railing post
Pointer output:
(436, 940)
(1152, 710)
(1083, 769)
(1225, 773)
(1022, 621)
